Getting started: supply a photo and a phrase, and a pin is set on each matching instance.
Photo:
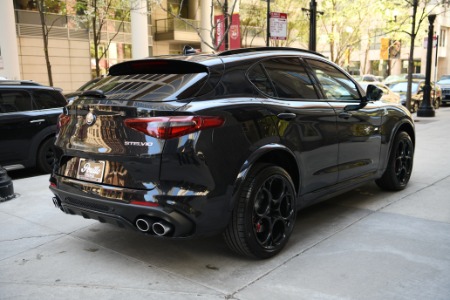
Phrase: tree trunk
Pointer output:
(45, 38)
(411, 56)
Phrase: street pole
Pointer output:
(312, 29)
(312, 13)
(225, 8)
(426, 110)
(6, 186)
(268, 23)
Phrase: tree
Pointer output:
(253, 21)
(420, 11)
(46, 28)
(97, 14)
(341, 23)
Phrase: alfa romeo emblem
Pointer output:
(90, 118)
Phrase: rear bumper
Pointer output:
(103, 203)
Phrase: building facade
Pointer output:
(70, 41)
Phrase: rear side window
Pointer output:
(15, 101)
(284, 78)
(48, 99)
(260, 80)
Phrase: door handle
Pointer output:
(37, 121)
(286, 116)
(345, 115)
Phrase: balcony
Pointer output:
(180, 30)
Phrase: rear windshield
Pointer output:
(152, 87)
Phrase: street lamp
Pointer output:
(426, 110)
(312, 12)
(268, 23)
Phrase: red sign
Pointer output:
(234, 34)
(220, 32)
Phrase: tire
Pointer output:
(46, 156)
(437, 103)
(264, 214)
(400, 164)
(415, 107)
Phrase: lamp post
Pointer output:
(312, 29)
(226, 25)
(312, 12)
(426, 110)
(268, 23)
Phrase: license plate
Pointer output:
(91, 170)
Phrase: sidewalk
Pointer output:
(365, 244)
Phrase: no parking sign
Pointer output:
(278, 26)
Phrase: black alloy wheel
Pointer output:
(264, 215)
(46, 156)
(400, 164)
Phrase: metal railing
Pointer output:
(174, 24)
(71, 27)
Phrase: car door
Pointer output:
(358, 122)
(18, 125)
(305, 123)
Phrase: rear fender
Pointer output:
(405, 125)
(267, 154)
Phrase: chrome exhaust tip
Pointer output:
(143, 225)
(161, 228)
(56, 202)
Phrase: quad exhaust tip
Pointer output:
(161, 228)
(57, 203)
(148, 225)
(144, 225)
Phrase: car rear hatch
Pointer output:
(114, 134)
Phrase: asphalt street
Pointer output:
(365, 244)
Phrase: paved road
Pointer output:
(365, 244)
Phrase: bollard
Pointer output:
(6, 186)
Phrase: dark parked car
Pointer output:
(233, 143)
(28, 116)
(400, 87)
(444, 84)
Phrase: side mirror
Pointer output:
(373, 93)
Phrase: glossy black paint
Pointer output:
(327, 146)
(27, 122)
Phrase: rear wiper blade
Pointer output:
(94, 93)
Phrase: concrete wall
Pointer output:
(70, 61)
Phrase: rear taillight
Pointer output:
(171, 127)
(63, 119)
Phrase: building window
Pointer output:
(416, 69)
(442, 37)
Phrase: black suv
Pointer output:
(28, 117)
(235, 142)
